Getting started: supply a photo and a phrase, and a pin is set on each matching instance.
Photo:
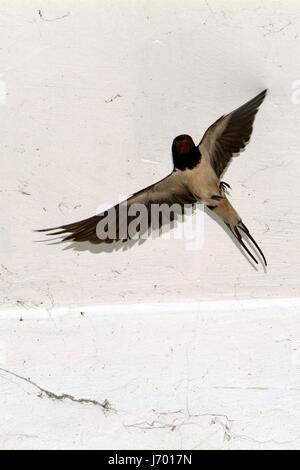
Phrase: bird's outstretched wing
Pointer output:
(229, 134)
(132, 217)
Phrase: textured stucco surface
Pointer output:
(212, 375)
(91, 95)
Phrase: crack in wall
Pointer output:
(53, 19)
(271, 29)
(105, 405)
(182, 418)
(222, 420)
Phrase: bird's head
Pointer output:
(185, 153)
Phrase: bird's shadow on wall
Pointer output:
(104, 247)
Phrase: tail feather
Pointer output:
(235, 231)
(246, 231)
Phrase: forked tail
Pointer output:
(237, 234)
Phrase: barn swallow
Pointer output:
(197, 170)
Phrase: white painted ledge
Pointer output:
(174, 376)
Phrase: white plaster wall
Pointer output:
(91, 95)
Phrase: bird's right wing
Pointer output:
(150, 207)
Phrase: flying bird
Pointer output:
(196, 177)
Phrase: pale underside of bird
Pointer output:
(195, 178)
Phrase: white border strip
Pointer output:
(182, 308)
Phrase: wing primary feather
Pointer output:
(229, 135)
(170, 190)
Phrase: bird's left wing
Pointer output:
(132, 217)
(229, 134)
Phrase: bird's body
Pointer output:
(202, 181)
(195, 178)
(205, 185)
